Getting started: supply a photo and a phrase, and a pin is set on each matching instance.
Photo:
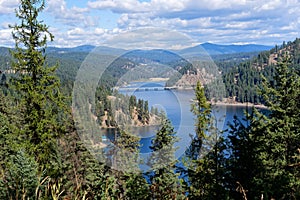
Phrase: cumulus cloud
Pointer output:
(79, 36)
(73, 16)
(120, 6)
(149, 38)
(6, 38)
(8, 7)
(219, 21)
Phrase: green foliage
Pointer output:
(165, 183)
(241, 164)
(124, 179)
(120, 110)
(33, 113)
(8, 126)
(37, 85)
(21, 179)
(243, 81)
(204, 161)
(135, 185)
(279, 134)
(264, 155)
(194, 155)
(202, 110)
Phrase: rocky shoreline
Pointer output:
(221, 103)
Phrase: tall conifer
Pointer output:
(37, 84)
(277, 136)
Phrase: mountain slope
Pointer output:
(244, 80)
(216, 49)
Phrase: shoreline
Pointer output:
(220, 103)
(158, 79)
(239, 104)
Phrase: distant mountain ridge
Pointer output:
(217, 49)
(210, 48)
(87, 49)
(82, 48)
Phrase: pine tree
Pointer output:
(204, 159)
(146, 115)
(8, 127)
(38, 86)
(277, 135)
(241, 164)
(202, 111)
(126, 178)
(165, 183)
(21, 177)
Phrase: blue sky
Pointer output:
(167, 23)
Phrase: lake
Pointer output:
(176, 104)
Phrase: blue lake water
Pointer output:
(176, 104)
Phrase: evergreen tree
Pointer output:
(37, 85)
(8, 126)
(194, 156)
(146, 115)
(202, 110)
(164, 182)
(129, 182)
(242, 165)
(277, 136)
(264, 156)
(204, 159)
(21, 177)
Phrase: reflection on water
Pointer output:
(176, 104)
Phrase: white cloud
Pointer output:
(120, 6)
(100, 31)
(149, 38)
(5, 25)
(73, 16)
(168, 5)
(240, 25)
(292, 26)
(76, 32)
(79, 36)
(6, 38)
(271, 5)
(8, 6)
(230, 21)
(213, 4)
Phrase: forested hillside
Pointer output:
(243, 81)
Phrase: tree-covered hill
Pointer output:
(243, 80)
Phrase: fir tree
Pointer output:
(241, 164)
(21, 177)
(165, 183)
(38, 86)
(277, 136)
(204, 159)
(202, 111)
(129, 182)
